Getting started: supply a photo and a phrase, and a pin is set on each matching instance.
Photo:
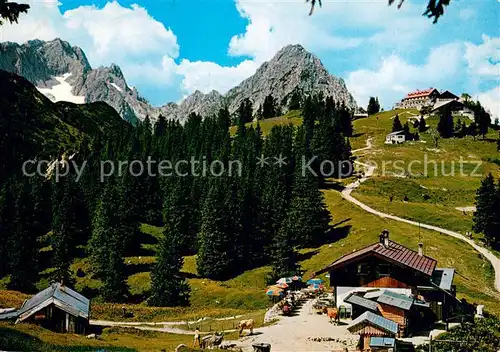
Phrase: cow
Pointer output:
(211, 340)
(333, 314)
(246, 324)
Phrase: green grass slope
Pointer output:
(433, 192)
(40, 127)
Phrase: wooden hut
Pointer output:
(57, 308)
(369, 325)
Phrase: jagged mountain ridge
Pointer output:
(292, 68)
(62, 72)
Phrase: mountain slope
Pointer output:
(33, 126)
(62, 73)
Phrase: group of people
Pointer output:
(288, 302)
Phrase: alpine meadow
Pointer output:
(190, 176)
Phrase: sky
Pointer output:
(167, 49)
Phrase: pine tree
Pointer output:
(345, 120)
(245, 111)
(115, 288)
(373, 106)
(107, 244)
(284, 259)
(216, 257)
(396, 124)
(168, 287)
(6, 217)
(422, 126)
(260, 113)
(308, 217)
(406, 130)
(63, 231)
(445, 124)
(309, 115)
(295, 101)
(23, 244)
(269, 107)
(487, 215)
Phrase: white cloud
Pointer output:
(490, 100)
(114, 30)
(483, 59)
(336, 26)
(395, 76)
(206, 76)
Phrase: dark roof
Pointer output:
(377, 341)
(396, 133)
(66, 298)
(394, 252)
(361, 301)
(453, 103)
(396, 300)
(376, 320)
(443, 277)
(447, 93)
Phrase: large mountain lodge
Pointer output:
(427, 97)
(392, 283)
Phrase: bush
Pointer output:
(481, 335)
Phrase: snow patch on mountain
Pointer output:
(117, 88)
(62, 91)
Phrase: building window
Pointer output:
(383, 270)
(363, 269)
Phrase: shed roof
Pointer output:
(396, 300)
(396, 133)
(361, 301)
(394, 252)
(65, 298)
(378, 341)
(8, 315)
(443, 277)
(440, 104)
(376, 320)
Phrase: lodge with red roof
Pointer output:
(426, 97)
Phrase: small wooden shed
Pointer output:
(369, 325)
(57, 308)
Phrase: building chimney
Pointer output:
(420, 249)
(384, 238)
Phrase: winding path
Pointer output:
(369, 170)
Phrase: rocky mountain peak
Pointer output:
(57, 63)
(292, 68)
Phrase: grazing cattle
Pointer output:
(212, 340)
(333, 314)
(246, 324)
